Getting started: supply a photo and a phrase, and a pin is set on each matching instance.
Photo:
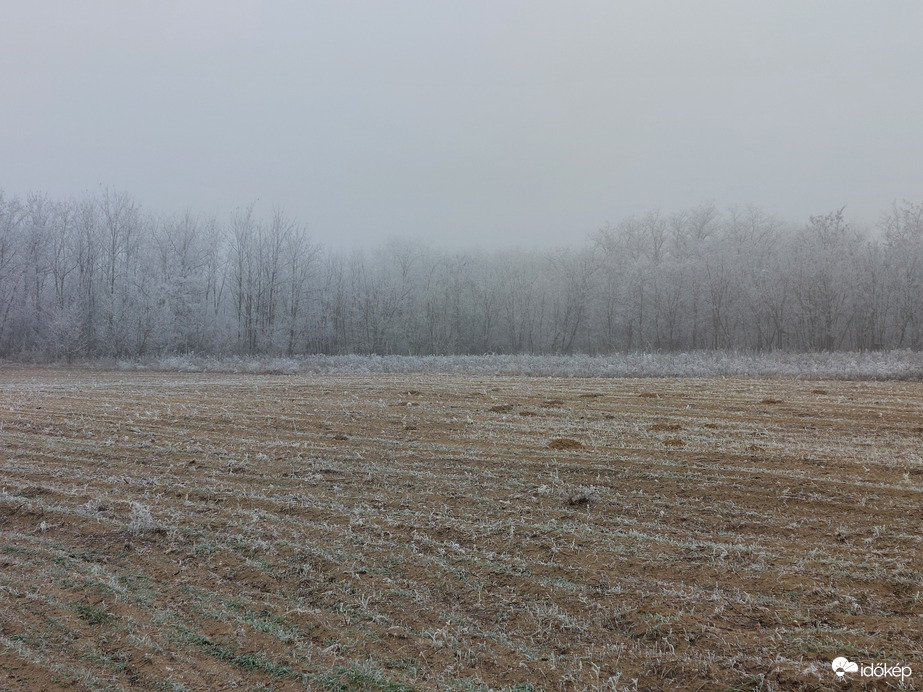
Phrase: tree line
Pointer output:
(100, 277)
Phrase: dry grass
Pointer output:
(218, 531)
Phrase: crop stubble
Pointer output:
(201, 531)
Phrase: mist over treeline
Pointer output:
(101, 277)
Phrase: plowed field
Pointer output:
(422, 532)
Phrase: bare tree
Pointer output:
(903, 229)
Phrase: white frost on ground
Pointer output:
(877, 365)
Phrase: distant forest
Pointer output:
(100, 277)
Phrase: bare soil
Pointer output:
(167, 531)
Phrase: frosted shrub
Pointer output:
(141, 521)
(874, 365)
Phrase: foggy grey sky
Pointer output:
(477, 122)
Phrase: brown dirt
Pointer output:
(665, 427)
(502, 408)
(217, 532)
(564, 443)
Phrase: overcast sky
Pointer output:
(471, 122)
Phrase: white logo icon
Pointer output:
(841, 666)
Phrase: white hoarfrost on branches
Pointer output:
(101, 277)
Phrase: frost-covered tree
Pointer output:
(102, 277)
(903, 231)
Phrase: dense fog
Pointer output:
(102, 277)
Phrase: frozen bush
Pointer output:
(141, 521)
(876, 365)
